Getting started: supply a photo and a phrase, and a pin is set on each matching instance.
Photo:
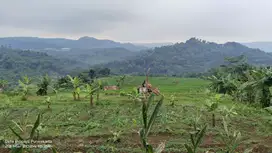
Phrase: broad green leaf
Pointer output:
(144, 113)
(20, 138)
(36, 125)
(143, 138)
(17, 150)
(17, 125)
(154, 115)
(160, 148)
(225, 126)
(54, 150)
(149, 149)
(192, 139)
(150, 99)
(189, 149)
(201, 135)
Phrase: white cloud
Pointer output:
(139, 20)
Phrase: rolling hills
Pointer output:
(35, 43)
(15, 63)
(94, 56)
(190, 57)
(193, 56)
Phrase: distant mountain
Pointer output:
(265, 46)
(94, 56)
(15, 63)
(35, 43)
(193, 56)
(153, 45)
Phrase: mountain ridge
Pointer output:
(192, 56)
(36, 43)
(263, 45)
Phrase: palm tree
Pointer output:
(76, 86)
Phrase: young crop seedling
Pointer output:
(231, 140)
(34, 131)
(23, 137)
(147, 124)
(196, 137)
(173, 100)
(212, 106)
(135, 96)
(48, 101)
(115, 137)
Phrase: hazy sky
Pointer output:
(139, 20)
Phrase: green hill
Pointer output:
(94, 56)
(193, 56)
(14, 63)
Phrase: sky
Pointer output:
(139, 21)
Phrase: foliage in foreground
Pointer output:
(196, 137)
(243, 82)
(147, 124)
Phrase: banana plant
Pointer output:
(99, 87)
(147, 124)
(76, 87)
(43, 85)
(260, 82)
(231, 140)
(24, 85)
(90, 90)
(196, 137)
(212, 106)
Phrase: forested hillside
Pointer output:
(193, 56)
(94, 56)
(15, 63)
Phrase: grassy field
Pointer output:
(74, 126)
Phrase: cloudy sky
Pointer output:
(139, 20)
